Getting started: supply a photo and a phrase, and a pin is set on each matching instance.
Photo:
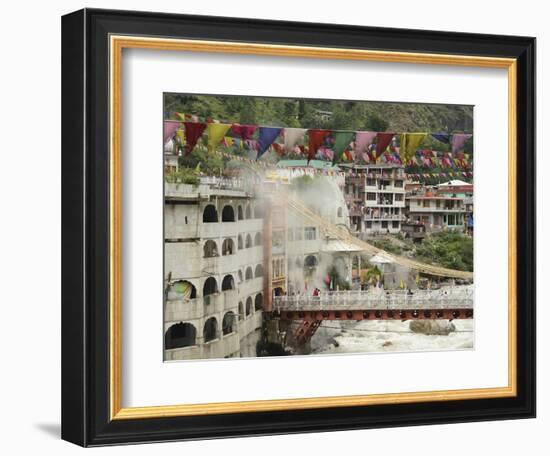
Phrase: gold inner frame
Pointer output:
(117, 45)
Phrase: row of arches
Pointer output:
(210, 213)
(182, 334)
(183, 289)
(210, 248)
(250, 306)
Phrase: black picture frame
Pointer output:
(85, 228)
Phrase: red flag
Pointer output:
(382, 142)
(193, 131)
(244, 131)
(316, 139)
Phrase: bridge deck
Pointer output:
(454, 298)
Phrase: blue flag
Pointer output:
(266, 136)
(442, 137)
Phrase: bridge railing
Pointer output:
(358, 299)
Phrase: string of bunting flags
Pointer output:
(338, 146)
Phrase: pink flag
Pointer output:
(363, 139)
(170, 127)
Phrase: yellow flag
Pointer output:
(216, 132)
(181, 135)
(408, 144)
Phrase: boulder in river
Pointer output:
(432, 327)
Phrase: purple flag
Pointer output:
(458, 140)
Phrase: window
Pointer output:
(228, 283)
(438, 204)
(248, 242)
(210, 331)
(310, 261)
(210, 286)
(240, 212)
(259, 272)
(425, 203)
(384, 224)
(227, 323)
(371, 182)
(248, 274)
(248, 306)
(398, 197)
(398, 183)
(310, 233)
(210, 249)
(395, 224)
(180, 335)
(371, 196)
(240, 242)
(369, 225)
(228, 247)
(182, 289)
(210, 214)
(228, 214)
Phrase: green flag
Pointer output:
(342, 140)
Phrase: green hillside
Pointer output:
(341, 115)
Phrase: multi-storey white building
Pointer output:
(436, 211)
(214, 270)
(375, 196)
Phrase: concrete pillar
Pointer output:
(268, 266)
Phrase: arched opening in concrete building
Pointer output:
(239, 242)
(240, 275)
(310, 262)
(228, 323)
(210, 249)
(278, 291)
(210, 214)
(258, 239)
(210, 331)
(241, 311)
(259, 271)
(210, 286)
(240, 215)
(228, 247)
(258, 301)
(228, 214)
(310, 265)
(248, 242)
(228, 283)
(248, 274)
(248, 212)
(248, 306)
(182, 289)
(180, 335)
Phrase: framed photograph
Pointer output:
(274, 227)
